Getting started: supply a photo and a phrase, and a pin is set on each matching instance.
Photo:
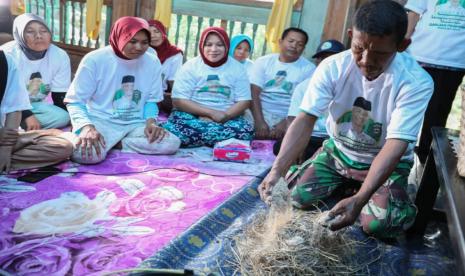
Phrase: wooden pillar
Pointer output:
(312, 21)
(147, 9)
(339, 19)
(123, 8)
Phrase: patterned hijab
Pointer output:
(124, 30)
(19, 27)
(223, 36)
(166, 49)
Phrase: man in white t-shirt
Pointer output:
(374, 74)
(273, 79)
(437, 30)
(326, 49)
(30, 149)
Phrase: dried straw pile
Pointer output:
(287, 242)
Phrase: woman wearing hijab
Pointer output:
(210, 95)
(28, 149)
(44, 68)
(241, 49)
(112, 99)
(170, 57)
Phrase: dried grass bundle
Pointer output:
(287, 242)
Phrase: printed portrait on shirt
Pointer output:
(36, 88)
(279, 82)
(356, 129)
(214, 86)
(126, 100)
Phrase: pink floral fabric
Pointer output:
(94, 219)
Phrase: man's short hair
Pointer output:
(297, 30)
(380, 18)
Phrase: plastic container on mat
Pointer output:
(232, 150)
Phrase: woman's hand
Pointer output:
(153, 132)
(90, 138)
(32, 123)
(8, 136)
(218, 116)
(5, 158)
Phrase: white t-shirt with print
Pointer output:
(439, 36)
(396, 102)
(42, 76)
(217, 88)
(116, 89)
(15, 96)
(248, 66)
(278, 81)
(319, 130)
(169, 69)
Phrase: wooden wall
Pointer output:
(339, 16)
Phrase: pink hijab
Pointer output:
(124, 30)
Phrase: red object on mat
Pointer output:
(232, 150)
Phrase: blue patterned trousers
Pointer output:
(195, 132)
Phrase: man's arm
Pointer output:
(413, 19)
(382, 167)
(262, 130)
(256, 103)
(294, 142)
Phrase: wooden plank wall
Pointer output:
(338, 18)
(123, 8)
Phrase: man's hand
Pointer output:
(154, 133)
(279, 130)
(218, 116)
(262, 130)
(5, 158)
(265, 188)
(32, 123)
(90, 138)
(8, 136)
(349, 209)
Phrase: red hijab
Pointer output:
(223, 36)
(124, 30)
(166, 49)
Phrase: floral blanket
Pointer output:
(93, 219)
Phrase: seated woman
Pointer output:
(210, 95)
(170, 57)
(44, 68)
(241, 49)
(112, 98)
(24, 150)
